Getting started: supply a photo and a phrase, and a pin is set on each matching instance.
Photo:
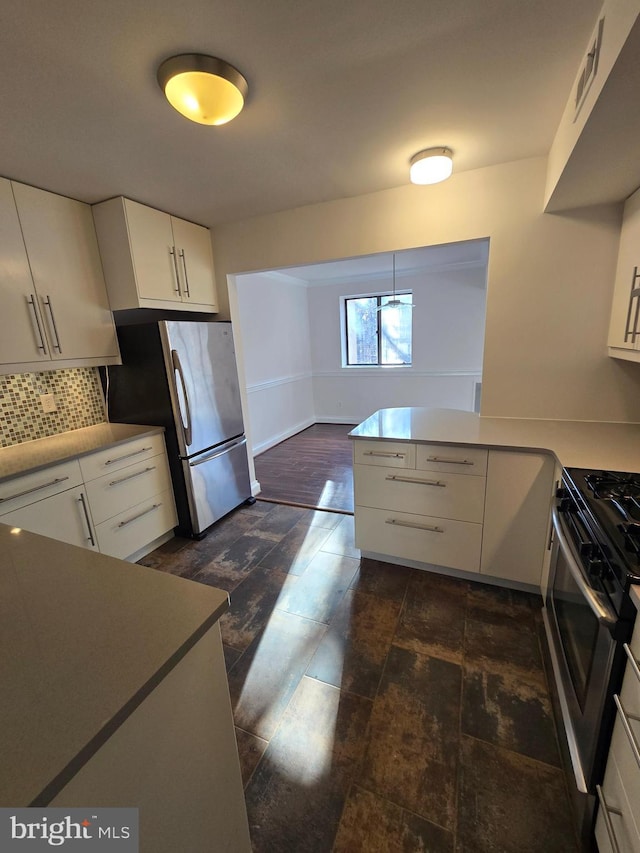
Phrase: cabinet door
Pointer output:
(64, 517)
(625, 308)
(63, 254)
(21, 330)
(152, 251)
(516, 515)
(195, 262)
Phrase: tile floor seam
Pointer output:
(536, 761)
(387, 799)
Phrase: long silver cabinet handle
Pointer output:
(172, 252)
(83, 504)
(635, 667)
(401, 479)
(606, 812)
(131, 476)
(128, 455)
(601, 610)
(384, 455)
(450, 461)
(34, 489)
(400, 523)
(635, 293)
(47, 302)
(139, 515)
(186, 276)
(37, 326)
(624, 719)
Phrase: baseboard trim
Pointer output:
(276, 439)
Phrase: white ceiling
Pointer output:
(469, 253)
(341, 94)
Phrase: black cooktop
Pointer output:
(613, 500)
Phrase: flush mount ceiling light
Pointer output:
(431, 166)
(203, 88)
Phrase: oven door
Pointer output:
(579, 622)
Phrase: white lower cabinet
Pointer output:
(421, 507)
(516, 515)
(64, 516)
(618, 820)
(127, 532)
(457, 506)
(441, 542)
(124, 512)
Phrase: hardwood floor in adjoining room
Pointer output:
(311, 469)
(378, 708)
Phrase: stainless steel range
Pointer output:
(589, 614)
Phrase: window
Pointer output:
(378, 333)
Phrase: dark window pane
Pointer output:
(362, 330)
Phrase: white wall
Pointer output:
(272, 330)
(550, 279)
(448, 334)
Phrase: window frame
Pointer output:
(345, 327)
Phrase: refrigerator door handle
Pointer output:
(216, 453)
(186, 425)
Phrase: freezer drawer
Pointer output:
(217, 482)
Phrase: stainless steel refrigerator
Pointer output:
(182, 375)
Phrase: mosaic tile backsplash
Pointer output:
(78, 396)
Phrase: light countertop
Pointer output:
(33, 455)
(576, 444)
(84, 638)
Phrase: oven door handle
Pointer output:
(604, 614)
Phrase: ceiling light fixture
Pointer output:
(203, 88)
(431, 166)
(394, 302)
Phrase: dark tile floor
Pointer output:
(378, 708)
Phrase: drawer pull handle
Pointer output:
(624, 719)
(606, 812)
(401, 479)
(128, 455)
(139, 515)
(399, 523)
(384, 455)
(85, 509)
(450, 461)
(635, 668)
(131, 476)
(34, 489)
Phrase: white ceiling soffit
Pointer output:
(341, 95)
(428, 259)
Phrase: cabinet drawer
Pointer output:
(29, 488)
(444, 495)
(121, 455)
(442, 542)
(627, 766)
(129, 531)
(622, 824)
(114, 492)
(392, 454)
(449, 458)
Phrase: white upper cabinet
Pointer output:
(21, 327)
(624, 329)
(65, 265)
(154, 260)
